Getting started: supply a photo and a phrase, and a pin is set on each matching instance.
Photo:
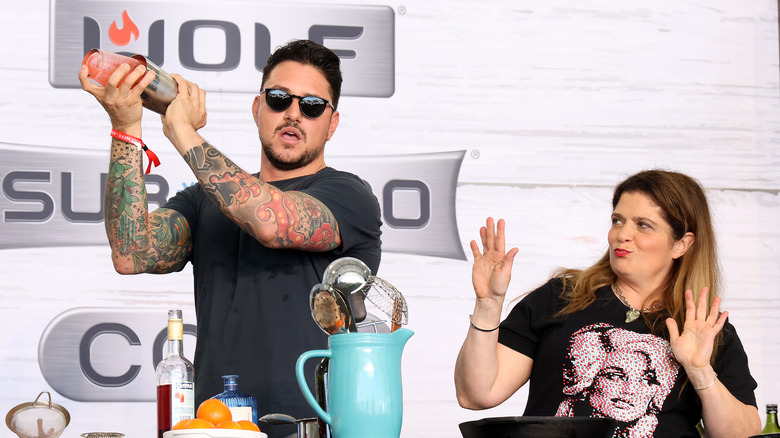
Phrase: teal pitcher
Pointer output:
(364, 384)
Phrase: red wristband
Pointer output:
(138, 144)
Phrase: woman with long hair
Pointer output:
(564, 338)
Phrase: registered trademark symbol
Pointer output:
(475, 154)
(402, 10)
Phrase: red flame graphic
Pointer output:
(121, 37)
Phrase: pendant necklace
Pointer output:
(632, 314)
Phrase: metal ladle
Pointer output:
(350, 276)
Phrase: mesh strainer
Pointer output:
(39, 419)
(387, 300)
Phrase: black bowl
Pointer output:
(539, 427)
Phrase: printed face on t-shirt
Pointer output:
(620, 374)
(624, 387)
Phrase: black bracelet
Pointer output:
(481, 329)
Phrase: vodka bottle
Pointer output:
(175, 387)
(242, 406)
(771, 420)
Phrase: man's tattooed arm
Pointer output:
(277, 219)
(140, 242)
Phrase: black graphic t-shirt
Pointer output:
(593, 363)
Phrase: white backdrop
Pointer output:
(553, 101)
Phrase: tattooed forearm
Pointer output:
(125, 199)
(140, 242)
(224, 182)
(276, 218)
(204, 158)
(233, 189)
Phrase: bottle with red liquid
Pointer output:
(175, 379)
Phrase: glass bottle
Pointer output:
(242, 406)
(321, 394)
(175, 387)
(771, 419)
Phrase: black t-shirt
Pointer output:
(252, 302)
(593, 363)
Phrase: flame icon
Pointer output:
(121, 37)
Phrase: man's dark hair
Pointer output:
(309, 53)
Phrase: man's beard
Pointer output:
(279, 163)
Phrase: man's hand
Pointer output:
(121, 96)
(185, 115)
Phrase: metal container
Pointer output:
(307, 427)
(163, 89)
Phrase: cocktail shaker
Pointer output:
(157, 95)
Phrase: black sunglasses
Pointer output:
(311, 106)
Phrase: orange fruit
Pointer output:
(214, 411)
(199, 423)
(228, 424)
(248, 425)
(181, 424)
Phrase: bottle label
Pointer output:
(241, 413)
(182, 401)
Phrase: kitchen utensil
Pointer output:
(388, 300)
(349, 316)
(349, 275)
(539, 427)
(307, 427)
(364, 384)
(330, 310)
(38, 419)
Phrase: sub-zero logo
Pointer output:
(223, 46)
(54, 198)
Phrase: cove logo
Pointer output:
(104, 354)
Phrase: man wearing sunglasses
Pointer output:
(258, 242)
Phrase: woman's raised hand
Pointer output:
(693, 346)
(492, 266)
